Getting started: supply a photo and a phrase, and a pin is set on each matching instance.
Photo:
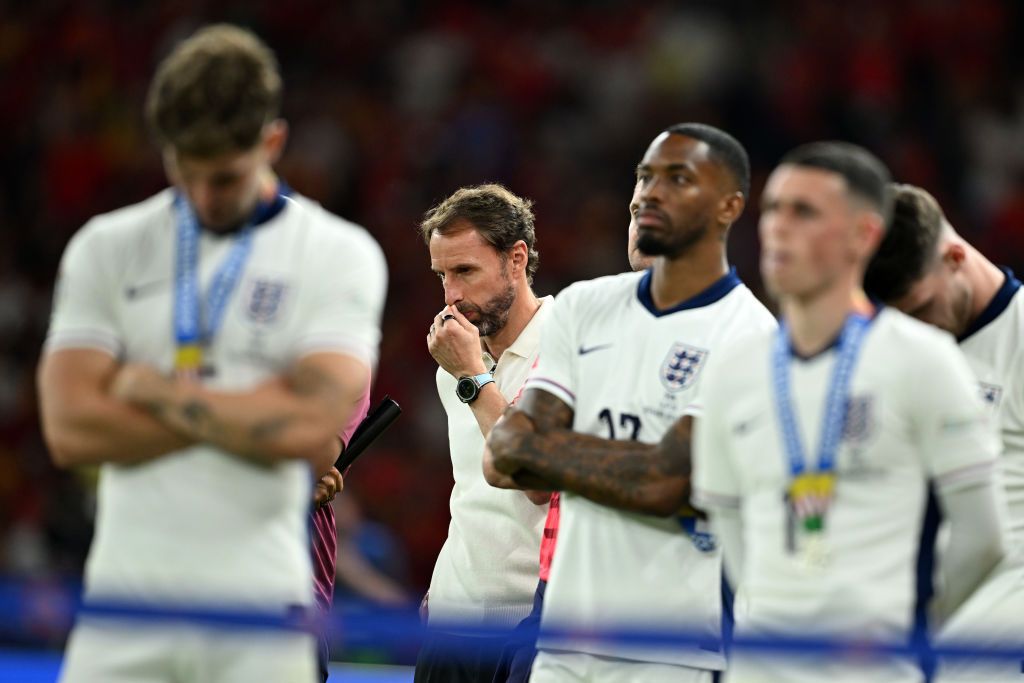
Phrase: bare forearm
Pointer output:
(84, 424)
(623, 474)
(488, 408)
(536, 440)
(266, 425)
(106, 430)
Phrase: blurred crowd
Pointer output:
(394, 104)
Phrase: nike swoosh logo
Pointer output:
(744, 426)
(585, 350)
(136, 291)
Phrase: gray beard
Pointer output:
(493, 315)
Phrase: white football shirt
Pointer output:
(913, 415)
(201, 524)
(629, 371)
(994, 346)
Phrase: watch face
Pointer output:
(466, 389)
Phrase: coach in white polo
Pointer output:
(206, 346)
(485, 341)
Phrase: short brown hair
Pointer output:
(215, 92)
(500, 217)
(910, 246)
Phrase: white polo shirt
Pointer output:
(487, 570)
(201, 524)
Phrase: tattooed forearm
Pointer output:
(622, 474)
(648, 478)
(270, 428)
(309, 381)
(546, 411)
(291, 416)
(197, 414)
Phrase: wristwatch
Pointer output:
(468, 387)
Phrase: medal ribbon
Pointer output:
(190, 334)
(811, 492)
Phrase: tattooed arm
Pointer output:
(83, 424)
(295, 416)
(535, 443)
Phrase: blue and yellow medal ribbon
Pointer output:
(190, 332)
(811, 491)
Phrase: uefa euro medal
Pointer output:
(811, 494)
(815, 555)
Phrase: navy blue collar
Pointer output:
(718, 289)
(264, 211)
(995, 307)
(839, 337)
(267, 210)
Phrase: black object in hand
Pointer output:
(372, 426)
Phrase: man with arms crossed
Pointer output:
(927, 270)
(485, 340)
(818, 441)
(606, 417)
(517, 658)
(206, 347)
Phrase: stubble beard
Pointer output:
(676, 243)
(492, 316)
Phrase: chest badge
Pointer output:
(858, 425)
(681, 366)
(266, 299)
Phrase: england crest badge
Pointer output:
(681, 366)
(859, 422)
(265, 300)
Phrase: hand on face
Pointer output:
(454, 342)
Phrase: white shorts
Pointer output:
(993, 616)
(131, 652)
(559, 667)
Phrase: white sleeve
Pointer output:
(83, 313)
(727, 526)
(555, 372)
(975, 518)
(343, 312)
(756, 320)
(715, 484)
(959, 442)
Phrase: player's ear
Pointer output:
(170, 160)
(953, 255)
(730, 208)
(519, 255)
(870, 231)
(275, 134)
